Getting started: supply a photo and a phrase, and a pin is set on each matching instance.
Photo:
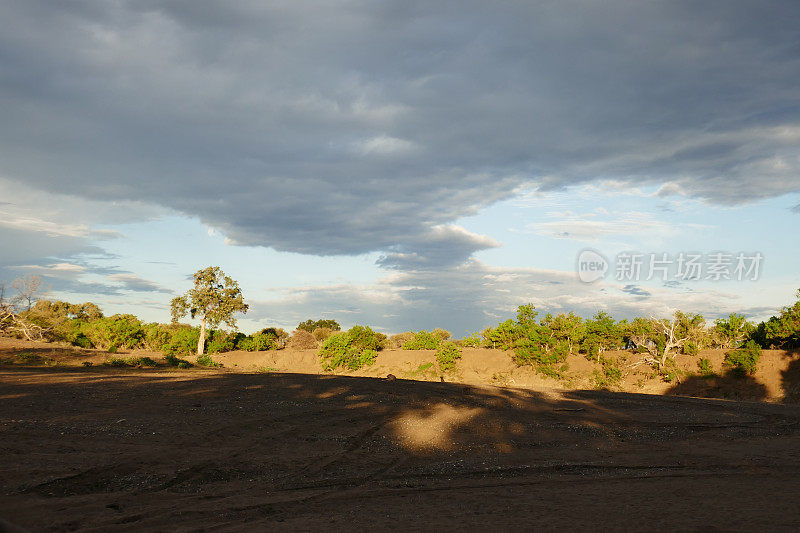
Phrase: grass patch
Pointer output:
(29, 358)
(424, 370)
(501, 379)
(133, 362)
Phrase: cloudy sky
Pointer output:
(401, 164)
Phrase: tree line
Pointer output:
(542, 341)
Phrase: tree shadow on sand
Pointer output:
(155, 448)
(731, 385)
(790, 379)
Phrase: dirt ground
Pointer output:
(98, 449)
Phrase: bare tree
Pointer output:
(29, 289)
(663, 339)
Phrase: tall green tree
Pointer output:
(731, 332)
(214, 299)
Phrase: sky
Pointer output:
(403, 164)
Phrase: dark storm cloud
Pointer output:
(635, 290)
(341, 128)
(132, 282)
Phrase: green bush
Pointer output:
(611, 374)
(744, 360)
(400, 340)
(473, 340)
(157, 336)
(172, 360)
(29, 358)
(691, 348)
(247, 345)
(447, 355)
(82, 341)
(117, 331)
(504, 336)
(183, 342)
(130, 361)
(532, 352)
(206, 360)
(220, 342)
(423, 340)
(265, 340)
(310, 325)
(352, 349)
(552, 371)
(705, 367)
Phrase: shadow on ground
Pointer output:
(152, 450)
(790, 378)
(731, 385)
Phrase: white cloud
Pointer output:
(383, 145)
(588, 228)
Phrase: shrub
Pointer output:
(352, 349)
(205, 360)
(781, 331)
(601, 333)
(157, 336)
(441, 334)
(172, 360)
(551, 371)
(310, 325)
(320, 334)
(220, 342)
(473, 340)
(424, 340)
(267, 339)
(400, 340)
(117, 331)
(611, 374)
(183, 342)
(247, 345)
(447, 355)
(705, 367)
(279, 334)
(131, 361)
(532, 352)
(29, 358)
(691, 348)
(82, 341)
(504, 336)
(302, 340)
(744, 360)
(367, 358)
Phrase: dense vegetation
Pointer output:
(352, 349)
(543, 342)
(310, 325)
